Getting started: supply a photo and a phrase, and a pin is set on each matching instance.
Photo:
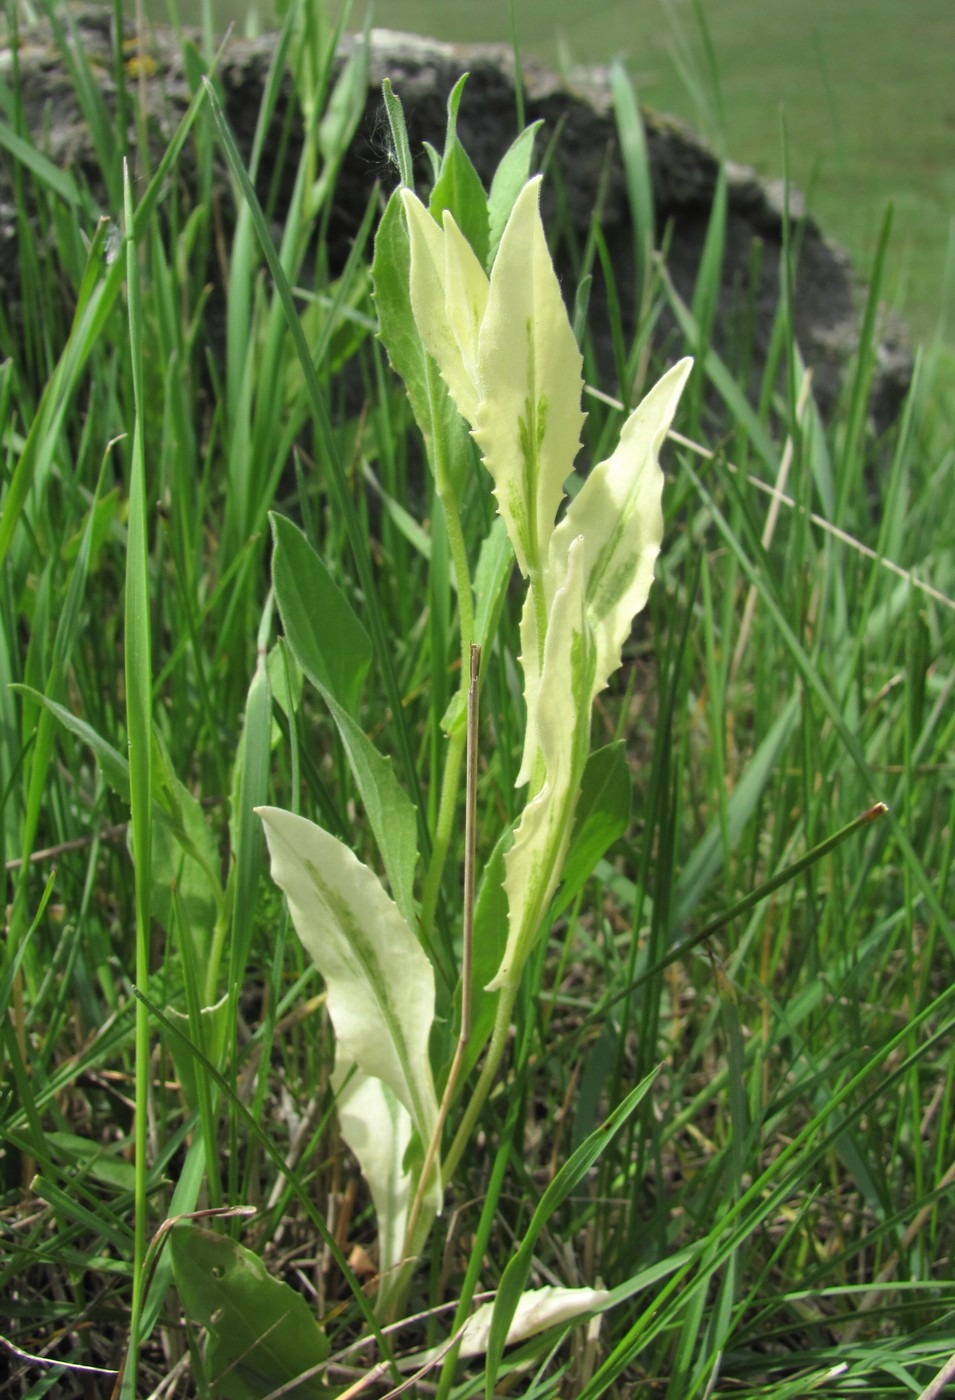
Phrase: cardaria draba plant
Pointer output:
(495, 349)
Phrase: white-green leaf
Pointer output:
(449, 291)
(466, 293)
(529, 373)
(531, 666)
(534, 862)
(377, 1129)
(538, 1309)
(618, 514)
(380, 982)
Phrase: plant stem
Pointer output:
(462, 573)
(502, 1026)
(442, 836)
(451, 777)
(470, 842)
(138, 677)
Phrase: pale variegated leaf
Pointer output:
(377, 1129)
(449, 291)
(529, 372)
(466, 290)
(533, 864)
(380, 982)
(617, 512)
(531, 666)
(538, 1309)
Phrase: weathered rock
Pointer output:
(422, 71)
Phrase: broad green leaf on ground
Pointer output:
(380, 982)
(93, 1159)
(530, 375)
(303, 590)
(262, 1334)
(535, 860)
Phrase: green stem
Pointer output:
(462, 574)
(495, 1050)
(447, 809)
(451, 777)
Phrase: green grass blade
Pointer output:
(336, 477)
(138, 672)
(570, 1174)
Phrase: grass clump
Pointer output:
(770, 1217)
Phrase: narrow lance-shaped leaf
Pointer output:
(335, 657)
(320, 623)
(457, 186)
(534, 862)
(508, 180)
(391, 275)
(380, 982)
(529, 371)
